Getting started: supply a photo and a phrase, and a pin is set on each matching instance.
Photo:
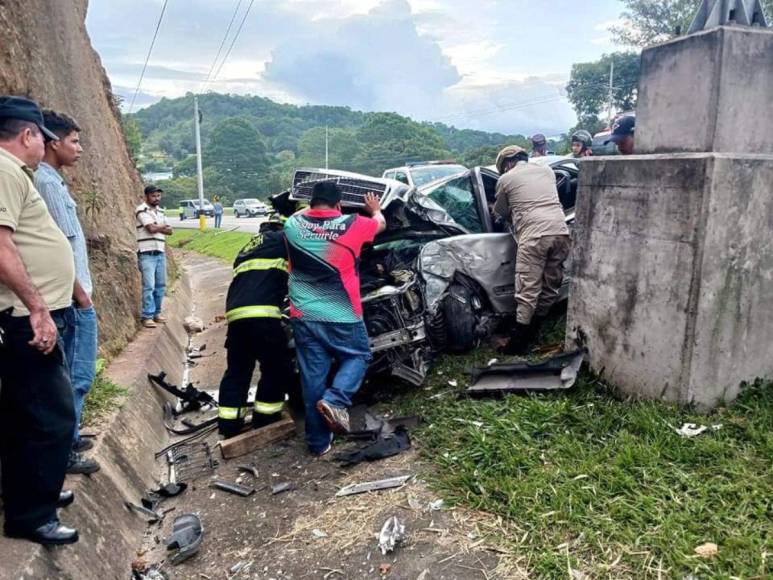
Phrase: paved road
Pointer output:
(249, 225)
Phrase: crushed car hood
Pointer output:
(405, 208)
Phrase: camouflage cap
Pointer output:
(506, 153)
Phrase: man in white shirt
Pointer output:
(152, 230)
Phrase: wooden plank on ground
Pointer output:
(256, 438)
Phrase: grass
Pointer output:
(601, 486)
(104, 397)
(590, 484)
(216, 243)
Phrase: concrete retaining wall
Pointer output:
(673, 273)
(109, 533)
(709, 91)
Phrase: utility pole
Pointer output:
(326, 143)
(610, 93)
(199, 174)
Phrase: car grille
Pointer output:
(353, 189)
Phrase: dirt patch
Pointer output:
(308, 532)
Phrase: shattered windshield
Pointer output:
(424, 175)
(457, 198)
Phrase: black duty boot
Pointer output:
(520, 337)
(262, 420)
(80, 464)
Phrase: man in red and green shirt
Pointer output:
(324, 249)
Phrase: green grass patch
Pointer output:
(591, 483)
(216, 243)
(104, 397)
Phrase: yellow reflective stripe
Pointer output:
(253, 312)
(232, 412)
(261, 264)
(268, 408)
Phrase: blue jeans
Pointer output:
(317, 345)
(218, 219)
(79, 340)
(153, 268)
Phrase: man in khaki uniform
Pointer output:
(37, 276)
(527, 196)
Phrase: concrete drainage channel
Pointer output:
(124, 447)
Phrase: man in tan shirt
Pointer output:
(528, 198)
(37, 274)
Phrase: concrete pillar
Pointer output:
(673, 266)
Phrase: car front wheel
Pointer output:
(460, 319)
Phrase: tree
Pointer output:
(237, 155)
(646, 22)
(588, 86)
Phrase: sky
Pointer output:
(495, 65)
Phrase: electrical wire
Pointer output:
(222, 43)
(147, 58)
(235, 38)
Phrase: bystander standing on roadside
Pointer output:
(152, 229)
(37, 274)
(80, 332)
(324, 248)
(218, 206)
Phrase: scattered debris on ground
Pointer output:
(693, 430)
(368, 486)
(392, 533)
(187, 533)
(707, 550)
(558, 372)
(234, 488)
(193, 325)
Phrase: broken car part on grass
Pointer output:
(187, 533)
(558, 372)
(437, 278)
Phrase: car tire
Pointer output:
(460, 319)
(236, 215)
(182, 217)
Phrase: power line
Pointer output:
(233, 41)
(222, 43)
(147, 58)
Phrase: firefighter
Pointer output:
(255, 333)
(581, 144)
(527, 196)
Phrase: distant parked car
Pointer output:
(189, 209)
(418, 174)
(250, 207)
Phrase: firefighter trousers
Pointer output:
(251, 340)
(539, 272)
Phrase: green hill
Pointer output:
(251, 145)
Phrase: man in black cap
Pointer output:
(37, 276)
(622, 134)
(152, 230)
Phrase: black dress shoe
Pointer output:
(80, 464)
(66, 497)
(51, 534)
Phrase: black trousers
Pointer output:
(249, 340)
(37, 419)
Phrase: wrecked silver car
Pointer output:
(441, 276)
